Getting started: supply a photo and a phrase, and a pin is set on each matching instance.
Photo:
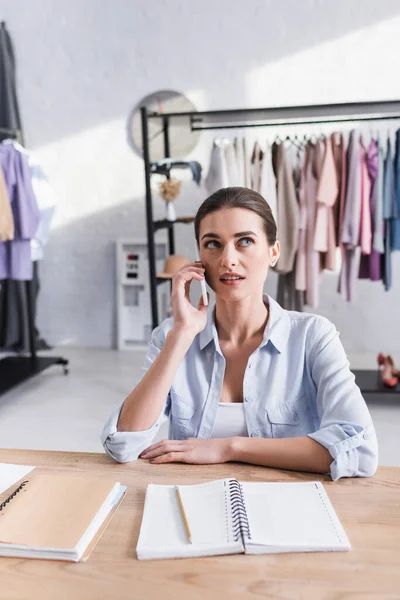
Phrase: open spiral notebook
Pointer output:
(230, 517)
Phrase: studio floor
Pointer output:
(54, 411)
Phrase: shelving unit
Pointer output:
(241, 118)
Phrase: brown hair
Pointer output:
(238, 197)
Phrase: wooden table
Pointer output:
(368, 508)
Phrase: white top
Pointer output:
(230, 420)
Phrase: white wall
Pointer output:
(83, 65)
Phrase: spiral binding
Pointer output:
(240, 522)
(7, 500)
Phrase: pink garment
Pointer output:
(350, 236)
(327, 192)
(365, 217)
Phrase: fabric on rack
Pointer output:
(377, 238)
(389, 211)
(6, 216)
(246, 165)
(313, 261)
(256, 167)
(231, 165)
(239, 153)
(291, 298)
(365, 215)
(46, 200)
(287, 294)
(301, 256)
(14, 330)
(268, 182)
(288, 209)
(217, 176)
(327, 193)
(396, 218)
(339, 155)
(165, 165)
(15, 255)
(9, 110)
(351, 221)
(370, 265)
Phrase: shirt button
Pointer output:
(249, 366)
(247, 399)
(365, 436)
(254, 434)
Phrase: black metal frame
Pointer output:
(238, 118)
(17, 369)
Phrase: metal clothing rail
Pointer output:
(17, 369)
(240, 118)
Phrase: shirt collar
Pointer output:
(276, 331)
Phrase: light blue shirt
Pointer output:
(296, 383)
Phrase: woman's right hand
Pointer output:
(186, 316)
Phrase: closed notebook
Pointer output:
(231, 517)
(56, 516)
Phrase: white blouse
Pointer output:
(230, 420)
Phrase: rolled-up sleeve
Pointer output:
(125, 446)
(346, 427)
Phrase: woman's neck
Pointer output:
(242, 321)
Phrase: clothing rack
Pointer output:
(240, 118)
(17, 369)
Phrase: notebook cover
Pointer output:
(52, 511)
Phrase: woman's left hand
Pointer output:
(197, 451)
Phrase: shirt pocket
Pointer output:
(182, 413)
(284, 420)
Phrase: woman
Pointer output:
(248, 382)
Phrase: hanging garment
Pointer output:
(327, 193)
(365, 215)
(217, 176)
(370, 265)
(389, 211)
(239, 153)
(339, 155)
(287, 294)
(301, 256)
(9, 111)
(15, 255)
(6, 216)
(231, 165)
(268, 182)
(351, 221)
(246, 165)
(256, 167)
(288, 209)
(396, 218)
(377, 238)
(314, 260)
(46, 198)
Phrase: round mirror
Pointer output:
(181, 139)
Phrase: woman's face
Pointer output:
(235, 252)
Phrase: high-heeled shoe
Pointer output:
(389, 378)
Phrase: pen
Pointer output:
(202, 282)
(185, 521)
